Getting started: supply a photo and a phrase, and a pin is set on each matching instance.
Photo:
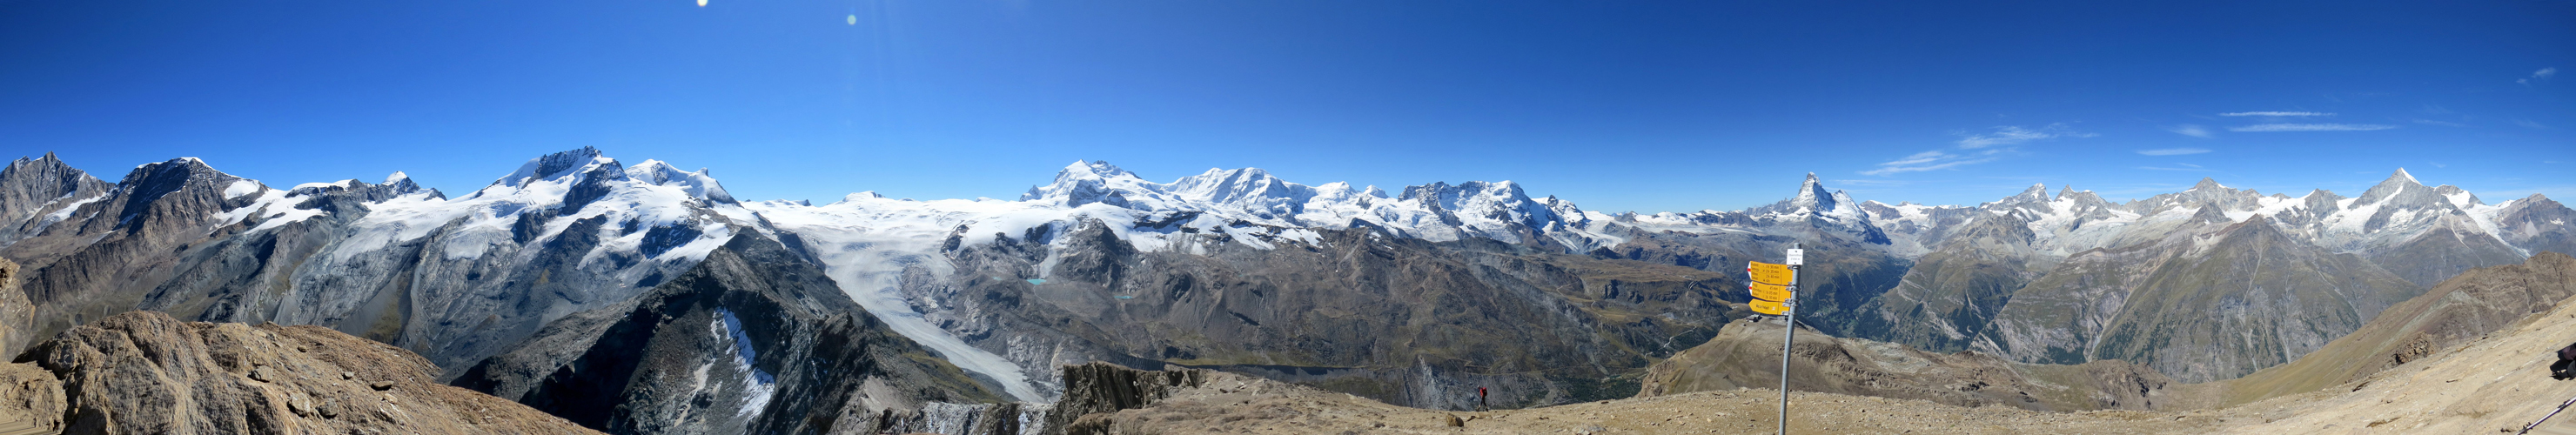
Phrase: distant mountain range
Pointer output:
(1410, 297)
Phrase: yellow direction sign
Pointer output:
(1768, 307)
(1769, 292)
(1767, 273)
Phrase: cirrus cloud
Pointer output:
(2191, 130)
(2310, 127)
(1975, 148)
(2013, 135)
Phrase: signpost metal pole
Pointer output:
(1796, 253)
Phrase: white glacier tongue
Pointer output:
(866, 244)
(869, 243)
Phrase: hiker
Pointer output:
(2565, 368)
(1480, 392)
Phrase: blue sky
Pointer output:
(1641, 105)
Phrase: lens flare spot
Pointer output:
(702, 3)
(854, 18)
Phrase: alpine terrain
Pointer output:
(645, 299)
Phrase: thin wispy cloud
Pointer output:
(2527, 123)
(2190, 169)
(2440, 123)
(2173, 151)
(2276, 114)
(2190, 130)
(1975, 148)
(2013, 135)
(1927, 161)
(2309, 127)
(2542, 74)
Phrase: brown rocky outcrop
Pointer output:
(144, 372)
(31, 400)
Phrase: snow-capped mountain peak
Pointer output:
(1813, 197)
(698, 184)
(1091, 182)
(2400, 189)
(2207, 183)
(556, 166)
(1250, 190)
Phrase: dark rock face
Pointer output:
(1949, 296)
(1106, 388)
(144, 372)
(754, 339)
(33, 189)
(82, 269)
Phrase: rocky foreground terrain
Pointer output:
(2471, 357)
(144, 372)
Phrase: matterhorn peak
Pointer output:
(1813, 196)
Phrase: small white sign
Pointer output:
(1797, 257)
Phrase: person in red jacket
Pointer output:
(1480, 398)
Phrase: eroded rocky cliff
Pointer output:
(144, 372)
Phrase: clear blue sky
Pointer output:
(1631, 105)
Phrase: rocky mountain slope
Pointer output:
(144, 372)
(2465, 308)
(2495, 382)
(753, 339)
(2492, 384)
(453, 279)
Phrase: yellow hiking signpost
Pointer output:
(1769, 307)
(1767, 273)
(1770, 292)
(1775, 292)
